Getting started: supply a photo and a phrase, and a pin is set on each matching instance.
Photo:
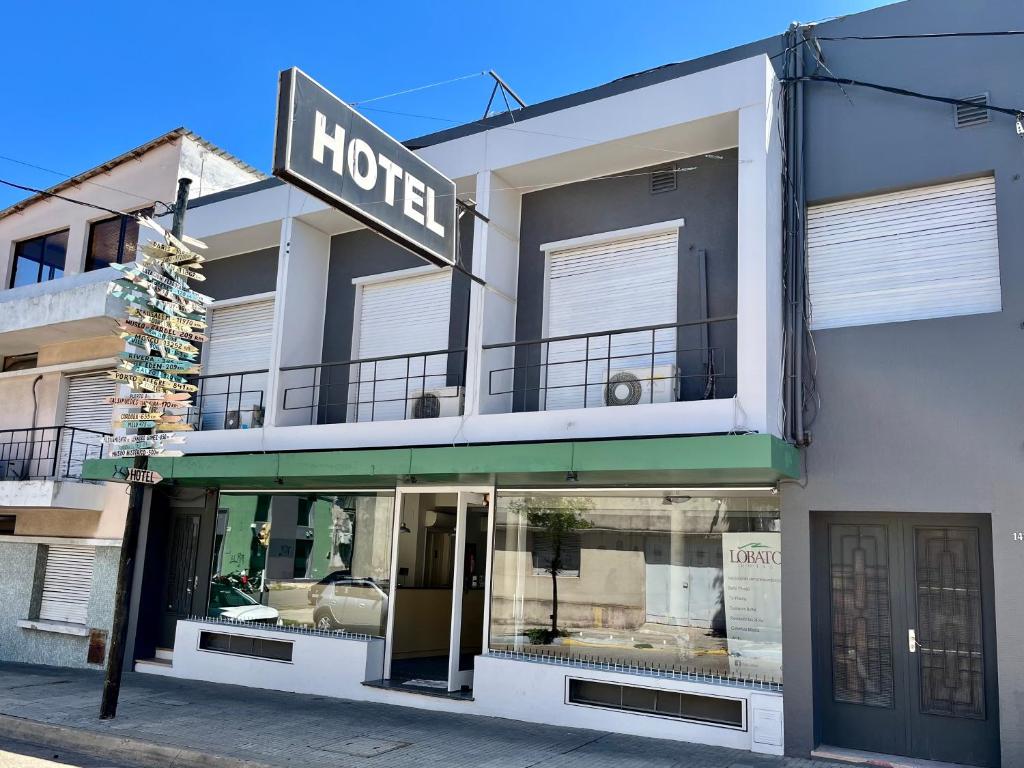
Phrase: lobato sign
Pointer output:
(325, 147)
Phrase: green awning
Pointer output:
(702, 460)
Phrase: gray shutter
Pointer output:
(398, 317)
(920, 253)
(606, 286)
(84, 408)
(67, 584)
(240, 336)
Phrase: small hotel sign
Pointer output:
(325, 147)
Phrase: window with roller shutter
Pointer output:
(84, 408)
(67, 584)
(399, 317)
(921, 253)
(585, 295)
(240, 336)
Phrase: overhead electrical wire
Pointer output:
(72, 176)
(67, 199)
(923, 35)
(420, 88)
(1013, 112)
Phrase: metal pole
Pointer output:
(130, 539)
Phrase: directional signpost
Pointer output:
(165, 318)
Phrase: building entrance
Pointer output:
(905, 636)
(437, 595)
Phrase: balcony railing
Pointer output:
(228, 401)
(629, 366)
(48, 453)
(392, 388)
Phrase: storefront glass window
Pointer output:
(304, 560)
(662, 580)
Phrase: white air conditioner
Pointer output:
(435, 402)
(633, 386)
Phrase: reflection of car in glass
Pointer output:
(314, 592)
(227, 602)
(355, 605)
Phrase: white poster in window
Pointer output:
(752, 570)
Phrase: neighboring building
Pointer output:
(618, 487)
(59, 534)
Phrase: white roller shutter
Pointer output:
(606, 286)
(67, 583)
(240, 337)
(921, 253)
(399, 317)
(84, 408)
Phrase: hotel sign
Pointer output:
(326, 148)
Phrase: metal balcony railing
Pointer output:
(628, 366)
(392, 388)
(228, 401)
(48, 453)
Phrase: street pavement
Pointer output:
(290, 730)
(22, 754)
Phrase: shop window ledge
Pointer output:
(58, 627)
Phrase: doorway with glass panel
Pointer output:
(438, 588)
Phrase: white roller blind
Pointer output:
(84, 408)
(605, 286)
(67, 583)
(921, 253)
(240, 337)
(400, 317)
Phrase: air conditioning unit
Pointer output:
(435, 403)
(633, 386)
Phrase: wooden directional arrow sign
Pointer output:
(147, 476)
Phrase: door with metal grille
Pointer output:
(905, 636)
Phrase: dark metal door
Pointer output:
(182, 581)
(904, 638)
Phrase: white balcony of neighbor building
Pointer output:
(52, 312)
(41, 467)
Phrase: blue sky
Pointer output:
(83, 82)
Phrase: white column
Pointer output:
(300, 304)
(492, 310)
(759, 268)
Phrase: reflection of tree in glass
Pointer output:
(343, 525)
(556, 519)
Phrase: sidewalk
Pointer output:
(245, 726)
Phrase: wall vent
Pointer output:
(681, 705)
(974, 113)
(246, 645)
(663, 180)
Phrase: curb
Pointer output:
(145, 754)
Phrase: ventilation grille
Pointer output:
(712, 710)
(974, 113)
(245, 645)
(663, 180)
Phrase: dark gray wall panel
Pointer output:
(705, 197)
(922, 416)
(241, 275)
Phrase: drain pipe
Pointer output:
(799, 250)
(787, 241)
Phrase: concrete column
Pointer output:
(759, 269)
(492, 310)
(301, 301)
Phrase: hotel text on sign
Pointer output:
(328, 149)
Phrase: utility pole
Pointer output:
(130, 539)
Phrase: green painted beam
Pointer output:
(709, 459)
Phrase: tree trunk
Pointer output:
(556, 566)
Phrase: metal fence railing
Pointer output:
(414, 386)
(628, 366)
(48, 453)
(228, 401)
